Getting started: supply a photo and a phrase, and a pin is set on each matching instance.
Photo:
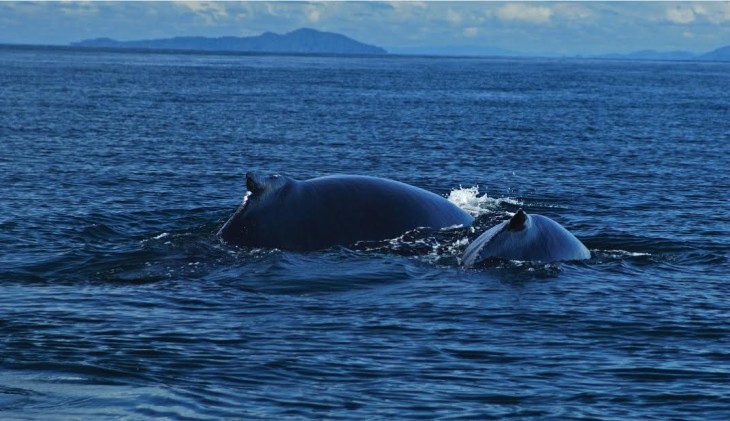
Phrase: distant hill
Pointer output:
(652, 55)
(457, 51)
(299, 41)
(720, 54)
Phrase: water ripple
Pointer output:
(119, 302)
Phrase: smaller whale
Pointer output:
(528, 238)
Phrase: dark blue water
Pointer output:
(118, 301)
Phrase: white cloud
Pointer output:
(689, 13)
(680, 15)
(404, 6)
(80, 8)
(453, 17)
(211, 12)
(716, 13)
(525, 13)
(572, 11)
(471, 32)
(313, 14)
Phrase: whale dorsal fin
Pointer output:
(255, 183)
(517, 222)
(258, 184)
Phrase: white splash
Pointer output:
(617, 254)
(246, 195)
(163, 235)
(472, 203)
(461, 243)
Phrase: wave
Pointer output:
(149, 247)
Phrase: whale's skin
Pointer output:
(526, 238)
(339, 210)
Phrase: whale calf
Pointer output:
(281, 212)
(525, 237)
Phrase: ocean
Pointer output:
(118, 300)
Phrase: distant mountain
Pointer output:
(300, 41)
(720, 54)
(457, 51)
(652, 55)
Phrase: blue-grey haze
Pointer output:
(542, 28)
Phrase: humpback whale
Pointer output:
(525, 237)
(281, 212)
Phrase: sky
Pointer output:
(563, 28)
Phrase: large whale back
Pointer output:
(526, 237)
(284, 213)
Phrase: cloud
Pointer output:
(453, 17)
(680, 14)
(572, 11)
(689, 13)
(471, 32)
(313, 15)
(79, 9)
(524, 13)
(716, 13)
(409, 4)
(211, 12)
